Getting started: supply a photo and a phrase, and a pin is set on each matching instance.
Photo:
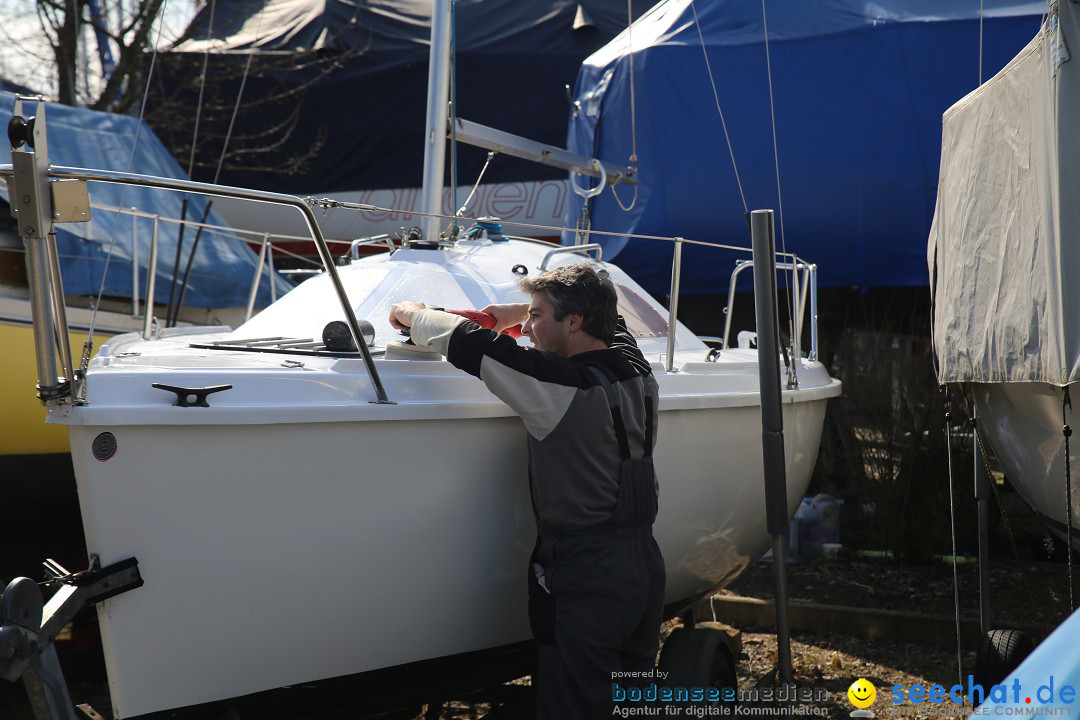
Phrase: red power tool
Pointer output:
(486, 320)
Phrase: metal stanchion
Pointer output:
(673, 302)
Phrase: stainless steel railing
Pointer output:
(804, 288)
(582, 249)
(120, 178)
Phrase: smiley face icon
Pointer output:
(862, 693)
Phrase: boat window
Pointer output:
(642, 319)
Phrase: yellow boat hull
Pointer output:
(22, 423)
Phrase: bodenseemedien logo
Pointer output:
(862, 694)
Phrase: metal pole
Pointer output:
(813, 313)
(258, 276)
(37, 272)
(982, 503)
(151, 277)
(270, 271)
(796, 316)
(63, 340)
(729, 310)
(435, 125)
(31, 200)
(673, 303)
(176, 262)
(134, 266)
(772, 423)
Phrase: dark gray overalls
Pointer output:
(596, 608)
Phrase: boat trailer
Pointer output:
(29, 626)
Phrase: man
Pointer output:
(589, 403)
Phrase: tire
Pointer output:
(1000, 652)
(698, 657)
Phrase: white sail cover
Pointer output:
(1004, 249)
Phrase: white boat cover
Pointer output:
(1004, 250)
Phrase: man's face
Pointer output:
(543, 329)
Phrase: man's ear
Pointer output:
(574, 321)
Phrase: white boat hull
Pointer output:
(1023, 423)
(283, 553)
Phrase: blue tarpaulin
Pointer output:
(859, 89)
(223, 266)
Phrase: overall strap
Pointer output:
(616, 411)
(648, 427)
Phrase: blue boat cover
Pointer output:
(859, 90)
(223, 266)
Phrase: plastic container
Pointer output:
(816, 523)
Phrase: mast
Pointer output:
(435, 125)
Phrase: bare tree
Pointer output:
(52, 55)
(248, 103)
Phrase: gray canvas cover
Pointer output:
(1003, 251)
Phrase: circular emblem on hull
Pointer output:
(104, 446)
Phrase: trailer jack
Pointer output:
(29, 625)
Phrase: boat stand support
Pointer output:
(29, 626)
(772, 424)
(1000, 651)
(982, 505)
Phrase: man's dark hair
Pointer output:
(581, 290)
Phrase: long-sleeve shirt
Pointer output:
(574, 458)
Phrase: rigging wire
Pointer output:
(326, 202)
(461, 210)
(633, 113)
(298, 256)
(131, 159)
(776, 159)
(225, 231)
(236, 107)
(191, 164)
(633, 200)
(171, 319)
(202, 88)
(716, 97)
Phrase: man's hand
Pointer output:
(401, 314)
(507, 314)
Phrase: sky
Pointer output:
(26, 57)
